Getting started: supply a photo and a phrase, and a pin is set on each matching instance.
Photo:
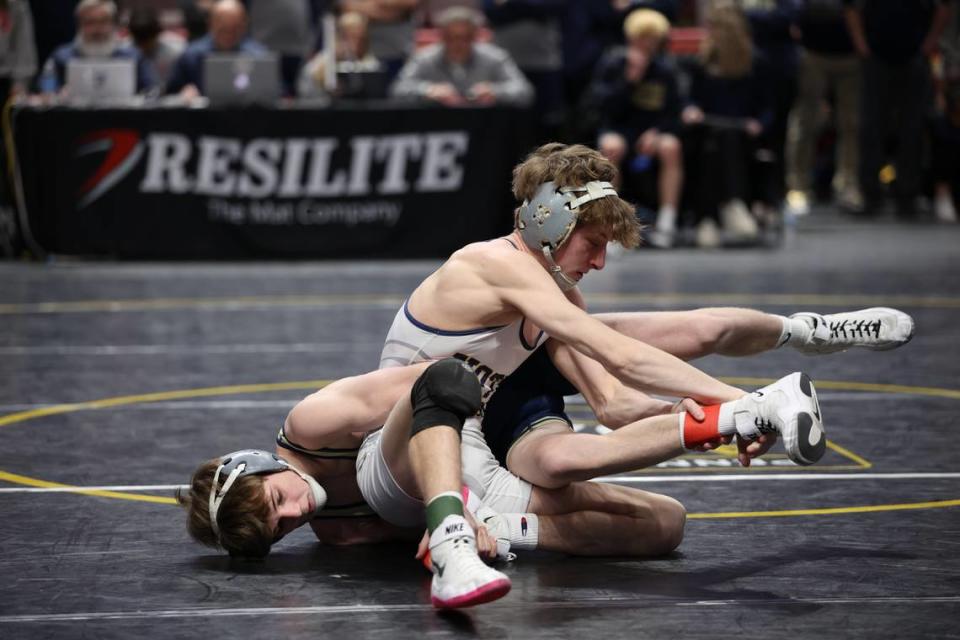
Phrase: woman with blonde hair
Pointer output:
(728, 108)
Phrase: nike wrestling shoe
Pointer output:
(878, 329)
(460, 578)
(790, 408)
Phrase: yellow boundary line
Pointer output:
(45, 484)
(699, 299)
(939, 504)
(24, 416)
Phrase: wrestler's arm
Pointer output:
(350, 405)
(614, 403)
(521, 282)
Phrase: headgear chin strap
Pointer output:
(546, 220)
(254, 462)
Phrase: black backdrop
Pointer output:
(370, 182)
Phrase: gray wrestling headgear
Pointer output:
(253, 462)
(547, 220)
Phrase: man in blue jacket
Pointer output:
(227, 33)
(96, 38)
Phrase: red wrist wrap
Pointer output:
(696, 433)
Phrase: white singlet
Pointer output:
(492, 353)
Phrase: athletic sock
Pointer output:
(718, 421)
(524, 530)
(666, 219)
(442, 505)
(796, 331)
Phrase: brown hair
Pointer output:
(575, 165)
(728, 49)
(242, 516)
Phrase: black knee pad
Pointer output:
(446, 394)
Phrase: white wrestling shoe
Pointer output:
(460, 578)
(878, 329)
(789, 407)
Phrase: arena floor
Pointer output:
(126, 376)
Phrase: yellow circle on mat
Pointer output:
(24, 416)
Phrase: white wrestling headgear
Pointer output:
(253, 462)
(546, 221)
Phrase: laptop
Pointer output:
(362, 84)
(237, 79)
(101, 80)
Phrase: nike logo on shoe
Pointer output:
(438, 568)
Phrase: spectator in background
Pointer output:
(391, 29)
(18, 54)
(946, 155)
(18, 63)
(355, 63)
(459, 71)
(227, 33)
(635, 91)
(96, 38)
(54, 24)
(945, 133)
(529, 30)
(728, 109)
(828, 66)
(589, 29)
(894, 39)
(159, 48)
(196, 15)
(771, 23)
(285, 27)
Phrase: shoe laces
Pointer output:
(466, 550)
(855, 329)
(764, 425)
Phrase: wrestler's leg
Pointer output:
(552, 455)
(425, 464)
(743, 332)
(595, 518)
(693, 334)
(444, 396)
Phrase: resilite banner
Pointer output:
(377, 182)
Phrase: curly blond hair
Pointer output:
(575, 165)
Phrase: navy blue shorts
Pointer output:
(531, 394)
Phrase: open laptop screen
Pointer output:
(241, 79)
(99, 81)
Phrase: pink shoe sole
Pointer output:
(487, 593)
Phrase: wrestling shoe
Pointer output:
(460, 578)
(789, 407)
(878, 328)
